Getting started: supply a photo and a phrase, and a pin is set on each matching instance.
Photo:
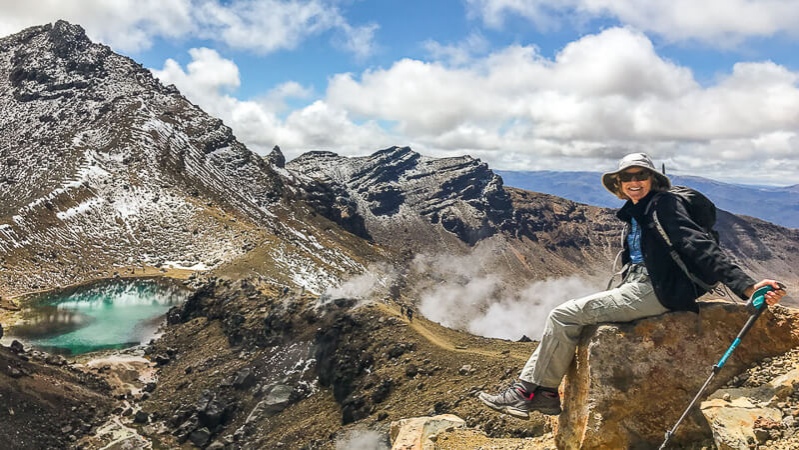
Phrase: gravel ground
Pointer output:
(782, 435)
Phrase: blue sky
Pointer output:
(709, 88)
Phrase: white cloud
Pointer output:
(127, 25)
(600, 97)
(209, 71)
(276, 99)
(621, 62)
(461, 53)
(209, 80)
(424, 98)
(358, 40)
(265, 26)
(540, 12)
(261, 26)
(320, 126)
(586, 93)
(722, 23)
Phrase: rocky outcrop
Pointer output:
(758, 407)
(632, 381)
(276, 158)
(732, 414)
(47, 403)
(400, 192)
(332, 201)
(342, 360)
(418, 433)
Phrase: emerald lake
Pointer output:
(109, 314)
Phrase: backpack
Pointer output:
(702, 211)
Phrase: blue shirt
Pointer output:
(634, 243)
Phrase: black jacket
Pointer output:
(701, 254)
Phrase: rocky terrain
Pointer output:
(267, 377)
(46, 403)
(289, 370)
(294, 336)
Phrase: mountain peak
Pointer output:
(394, 152)
(276, 158)
(63, 32)
(54, 61)
(99, 151)
(461, 195)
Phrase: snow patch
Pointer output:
(187, 265)
(80, 209)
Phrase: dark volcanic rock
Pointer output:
(276, 158)
(395, 187)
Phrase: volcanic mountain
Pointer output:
(292, 337)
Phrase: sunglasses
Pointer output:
(642, 175)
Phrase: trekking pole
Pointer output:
(758, 302)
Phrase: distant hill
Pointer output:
(778, 205)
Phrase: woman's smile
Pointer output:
(638, 184)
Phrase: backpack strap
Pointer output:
(619, 273)
(672, 252)
(617, 259)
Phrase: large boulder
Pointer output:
(632, 381)
(277, 400)
(415, 433)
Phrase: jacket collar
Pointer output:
(630, 210)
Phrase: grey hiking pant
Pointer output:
(634, 299)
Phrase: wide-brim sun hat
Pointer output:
(642, 160)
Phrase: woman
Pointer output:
(653, 284)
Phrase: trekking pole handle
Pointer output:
(758, 302)
(758, 299)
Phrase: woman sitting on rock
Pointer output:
(653, 283)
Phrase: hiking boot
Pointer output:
(516, 401)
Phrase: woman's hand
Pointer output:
(773, 296)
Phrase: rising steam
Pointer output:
(373, 282)
(362, 440)
(466, 296)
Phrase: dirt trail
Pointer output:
(425, 329)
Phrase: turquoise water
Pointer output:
(109, 314)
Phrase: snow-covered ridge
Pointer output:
(106, 168)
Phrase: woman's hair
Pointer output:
(656, 185)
